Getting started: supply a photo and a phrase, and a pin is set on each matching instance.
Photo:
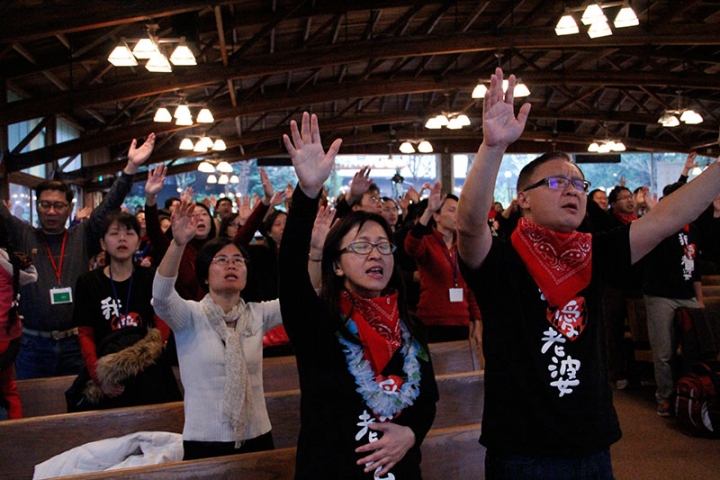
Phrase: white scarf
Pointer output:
(237, 397)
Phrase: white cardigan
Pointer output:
(201, 355)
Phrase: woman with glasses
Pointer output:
(219, 344)
(367, 383)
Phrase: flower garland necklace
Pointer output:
(385, 403)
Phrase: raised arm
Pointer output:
(674, 212)
(500, 128)
(184, 226)
(153, 186)
(321, 227)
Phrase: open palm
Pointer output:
(312, 164)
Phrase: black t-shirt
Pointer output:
(97, 306)
(671, 268)
(545, 394)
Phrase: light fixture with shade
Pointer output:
(187, 144)
(219, 145)
(520, 90)
(425, 147)
(212, 178)
(205, 116)
(224, 167)
(406, 147)
(206, 167)
(162, 115)
(673, 117)
(606, 146)
(234, 179)
(151, 48)
(182, 55)
(121, 56)
(182, 111)
(224, 179)
(566, 25)
(200, 147)
(594, 16)
(452, 121)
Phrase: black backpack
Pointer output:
(697, 407)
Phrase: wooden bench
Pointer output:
(451, 453)
(711, 290)
(710, 279)
(29, 441)
(46, 396)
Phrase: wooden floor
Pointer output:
(653, 449)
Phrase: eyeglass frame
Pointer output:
(225, 260)
(350, 248)
(570, 181)
(47, 205)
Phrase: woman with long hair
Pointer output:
(367, 383)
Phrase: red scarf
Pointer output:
(378, 324)
(560, 263)
(625, 218)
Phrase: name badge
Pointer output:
(60, 296)
(456, 295)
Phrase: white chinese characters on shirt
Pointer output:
(365, 420)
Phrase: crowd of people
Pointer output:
(355, 291)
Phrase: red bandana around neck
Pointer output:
(625, 218)
(378, 324)
(560, 263)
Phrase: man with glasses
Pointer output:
(548, 409)
(49, 341)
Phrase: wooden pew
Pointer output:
(711, 290)
(27, 442)
(710, 279)
(451, 453)
(46, 396)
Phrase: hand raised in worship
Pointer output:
(500, 125)
(184, 223)
(187, 195)
(312, 164)
(138, 155)
(360, 183)
(389, 450)
(321, 227)
(436, 198)
(155, 181)
(267, 186)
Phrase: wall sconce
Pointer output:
(594, 16)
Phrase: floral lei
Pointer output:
(384, 403)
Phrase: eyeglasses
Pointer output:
(374, 199)
(626, 197)
(45, 205)
(557, 182)
(364, 248)
(224, 260)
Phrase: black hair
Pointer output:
(56, 185)
(615, 193)
(123, 218)
(204, 258)
(668, 189)
(225, 223)
(267, 226)
(528, 170)
(333, 285)
(213, 230)
(221, 200)
(169, 201)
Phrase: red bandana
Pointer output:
(625, 218)
(378, 324)
(560, 263)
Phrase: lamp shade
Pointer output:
(521, 90)
(407, 147)
(145, 49)
(182, 111)
(234, 179)
(224, 167)
(223, 180)
(158, 63)
(200, 147)
(162, 115)
(205, 116)
(425, 147)
(433, 124)
(593, 13)
(454, 124)
(691, 117)
(626, 18)
(566, 26)
(121, 56)
(182, 56)
(599, 29)
(212, 179)
(463, 119)
(186, 144)
(479, 91)
(219, 145)
(206, 167)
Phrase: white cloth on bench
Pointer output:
(132, 450)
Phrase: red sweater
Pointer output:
(438, 269)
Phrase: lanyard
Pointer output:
(57, 267)
(452, 261)
(115, 295)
